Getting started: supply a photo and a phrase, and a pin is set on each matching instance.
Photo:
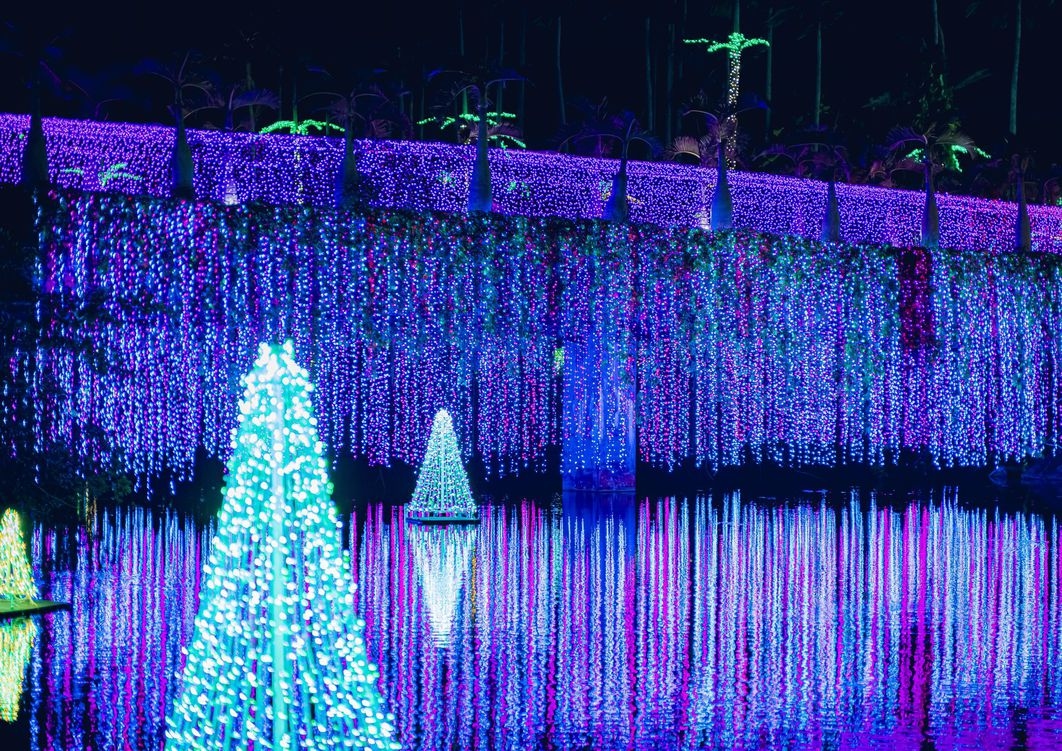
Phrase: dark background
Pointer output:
(869, 49)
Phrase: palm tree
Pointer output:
(40, 57)
(476, 84)
(228, 99)
(735, 44)
(180, 77)
(1022, 228)
(720, 140)
(931, 152)
(365, 111)
(622, 130)
(820, 155)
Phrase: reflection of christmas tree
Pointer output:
(16, 643)
(16, 577)
(442, 492)
(441, 556)
(277, 659)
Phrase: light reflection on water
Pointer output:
(619, 624)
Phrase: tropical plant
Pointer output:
(734, 46)
(475, 84)
(41, 58)
(228, 99)
(181, 77)
(365, 111)
(930, 152)
(623, 130)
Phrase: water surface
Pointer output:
(720, 621)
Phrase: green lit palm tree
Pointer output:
(734, 46)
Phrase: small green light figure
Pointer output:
(442, 493)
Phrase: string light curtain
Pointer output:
(734, 347)
(282, 169)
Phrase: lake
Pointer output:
(821, 620)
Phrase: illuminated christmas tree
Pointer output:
(16, 577)
(442, 493)
(441, 556)
(16, 645)
(277, 658)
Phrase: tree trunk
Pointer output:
(722, 206)
(650, 105)
(818, 73)
(669, 91)
(560, 77)
(249, 82)
(930, 216)
(479, 189)
(768, 86)
(1022, 228)
(461, 51)
(348, 193)
(35, 175)
(831, 221)
(520, 102)
(616, 208)
(1014, 74)
(181, 165)
(498, 104)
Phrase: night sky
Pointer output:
(870, 48)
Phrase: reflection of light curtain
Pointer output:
(16, 644)
(16, 577)
(441, 556)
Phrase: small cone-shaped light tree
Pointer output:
(16, 577)
(16, 646)
(722, 206)
(277, 658)
(441, 556)
(442, 492)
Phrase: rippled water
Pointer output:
(652, 623)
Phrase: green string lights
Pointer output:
(16, 577)
(735, 44)
(277, 659)
(442, 493)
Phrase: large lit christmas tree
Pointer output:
(442, 493)
(441, 556)
(16, 576)
(277, 657)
